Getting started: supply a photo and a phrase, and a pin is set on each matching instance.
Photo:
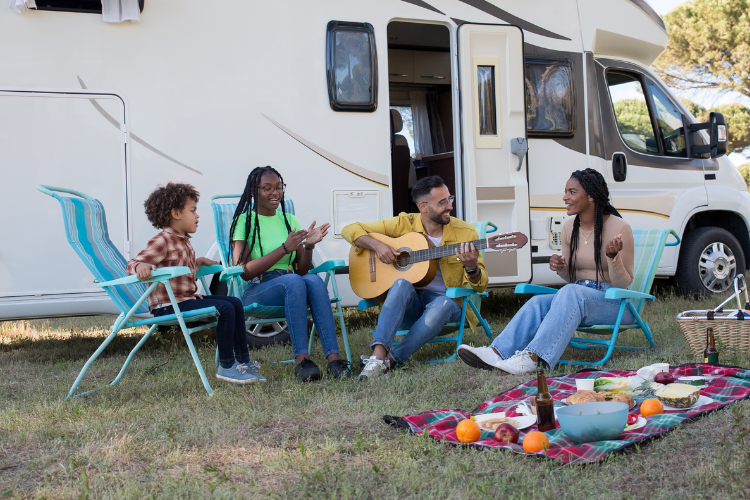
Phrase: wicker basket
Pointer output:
(727, 328)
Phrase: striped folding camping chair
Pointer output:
(257, 314)
(470, 297)
(86, 231)
(649, 244)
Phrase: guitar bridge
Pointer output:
(372, 266)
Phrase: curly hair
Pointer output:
(163, 199)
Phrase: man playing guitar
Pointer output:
(424, 310)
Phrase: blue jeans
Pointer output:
(423, 313)
(230, 332)
(295, 293)
(546, 323)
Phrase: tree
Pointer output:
(738, 122)
(709, 46)
(745, 173)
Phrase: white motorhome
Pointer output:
(202, 92)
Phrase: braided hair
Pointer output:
(595, 186)
(249, 203)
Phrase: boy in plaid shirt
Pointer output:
(173, 209)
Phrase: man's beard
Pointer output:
(437, 218)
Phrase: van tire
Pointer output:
(716, 276)
(257, 335)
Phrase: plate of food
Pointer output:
(491, 421)
(681, 397)
(592, 397)
(641, 422)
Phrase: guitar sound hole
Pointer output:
(403, 260)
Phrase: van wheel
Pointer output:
(257, 335)
(710, 259)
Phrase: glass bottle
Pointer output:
(545, 410)
(711, 353)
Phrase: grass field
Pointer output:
(158, 435)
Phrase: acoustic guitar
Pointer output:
(416, 262)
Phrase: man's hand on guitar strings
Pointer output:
(468, 255)
(386, 253)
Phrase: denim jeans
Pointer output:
(295, 293)
(546, 323)
(230, 332)
(423, 313)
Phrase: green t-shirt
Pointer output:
(273, 233)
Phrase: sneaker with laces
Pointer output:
(339, 369)
(374, 368)
(479, 357)
(253, 368)
(238, 374)
(521, 362)
(307, 370)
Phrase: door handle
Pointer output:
(619, 167)
(519, 147)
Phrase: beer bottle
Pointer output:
(545, 410)
(711, 354)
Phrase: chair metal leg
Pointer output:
(115, 329)
(132, 353)
(188, 340)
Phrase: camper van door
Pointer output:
(493, 133)
(69, 139)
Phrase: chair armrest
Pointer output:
(330, 265)
(621, 293)
(159, 275)
(206, 270)
(454, 293)
(367, 304)
(677, 237)
(535, 289)
(230, 272)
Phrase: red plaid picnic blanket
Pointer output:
(729, 385)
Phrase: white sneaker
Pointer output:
(374, 368)
(479, 357)
(521, 362)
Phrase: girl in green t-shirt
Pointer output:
(276, 254)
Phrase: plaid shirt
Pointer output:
(166, 249)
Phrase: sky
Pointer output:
(707, 99)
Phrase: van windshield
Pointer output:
(631, 112)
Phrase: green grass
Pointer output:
(158, 435)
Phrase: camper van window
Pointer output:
(669, 121)
(631, 112)
(487, 108)
(84, 6)
(549, 97)
(351, 66)
(407, 129)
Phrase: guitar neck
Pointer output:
(447, 250)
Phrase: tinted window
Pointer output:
(86, 6)
(631, 112)
(486, 93)
(351, 66)
(669, 121)
(549, 97)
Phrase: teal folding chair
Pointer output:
(86, 231)
(257, 314)
(470, 297)
(649, 244)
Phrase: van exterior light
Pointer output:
(722, 133)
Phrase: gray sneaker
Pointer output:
(238, 374)
(253, 368)
(374, 368)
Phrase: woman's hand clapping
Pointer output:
(614, 247)
(557, 262)
(316, 234)
(295, 240)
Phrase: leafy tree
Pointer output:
(709, 46)
(632, 117)
(745, 172)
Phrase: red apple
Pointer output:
(664, 378)
(506, 433)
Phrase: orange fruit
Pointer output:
(535, 441)
(651, 407)
(468, 431)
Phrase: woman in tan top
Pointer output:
(597, 252)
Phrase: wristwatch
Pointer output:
(473, 271)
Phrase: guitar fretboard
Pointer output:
(445, 251)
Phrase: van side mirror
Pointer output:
(717, 133)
